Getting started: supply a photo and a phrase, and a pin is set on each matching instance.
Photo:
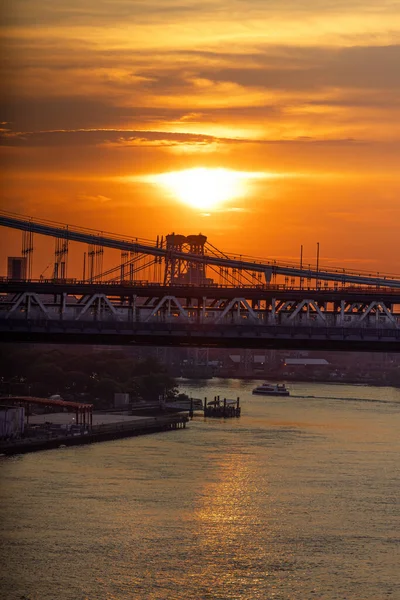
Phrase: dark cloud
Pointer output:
(102, 12)
(76, 12)
(166, 82)
(77, 112)
(353, 77)
(102, 136)
(356, 67)
(290, 68)
(136, 138)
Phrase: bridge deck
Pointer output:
(180, 335)
(254, 317)
(146, 289)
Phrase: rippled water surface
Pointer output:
(297, 499)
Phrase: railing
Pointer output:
(368, 289)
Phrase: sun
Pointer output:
(202, 187)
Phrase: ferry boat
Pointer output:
(271, 389)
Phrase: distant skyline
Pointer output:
(290, 108)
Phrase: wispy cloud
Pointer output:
(264, 91)
(94, 199)
(122, 137)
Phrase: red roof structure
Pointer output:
(81, 410)
(47, 402)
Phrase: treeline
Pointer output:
(81, 374)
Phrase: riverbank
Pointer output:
(99, 433)
(298, 377)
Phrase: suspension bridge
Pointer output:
(183, 291)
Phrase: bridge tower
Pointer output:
(173, 265)
(186, 271)
(196, 271)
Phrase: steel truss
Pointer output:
(144, 308)
(202, 319)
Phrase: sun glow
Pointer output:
(205, 188)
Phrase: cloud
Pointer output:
(352, 68)
(77, 112)
(102, 12)
(277, 68)
(98, 199)
(140, 138)
(94, 137)
(258, 91)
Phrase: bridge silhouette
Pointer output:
(252, 303)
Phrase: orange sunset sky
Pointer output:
(295, 102)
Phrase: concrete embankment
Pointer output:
(99, 433)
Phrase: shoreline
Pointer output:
(277, 378)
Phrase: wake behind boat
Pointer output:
(270, 389)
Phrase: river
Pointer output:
(296, 500)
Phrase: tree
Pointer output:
(71, 372)
(105, 390)
(50, 374)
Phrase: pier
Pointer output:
(98, 433)
(222, 409)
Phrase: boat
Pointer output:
(271, 389)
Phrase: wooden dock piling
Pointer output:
(225, 410)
